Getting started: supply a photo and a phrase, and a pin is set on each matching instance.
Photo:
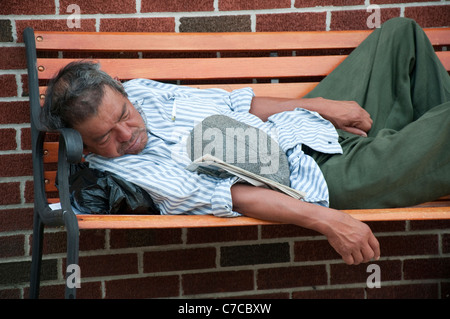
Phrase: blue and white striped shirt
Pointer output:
(160, 167)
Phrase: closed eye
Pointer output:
(104, 140)
(126, 116)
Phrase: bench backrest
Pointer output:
(286, 64)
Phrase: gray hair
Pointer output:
(75, 93)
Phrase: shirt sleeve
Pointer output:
(174, 190)
(238, 100)
(194, 194)
(241, 99)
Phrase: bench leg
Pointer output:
(71, 223)
(36, 256)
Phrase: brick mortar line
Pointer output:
(287, 240)
(103, 279)
(217, 245)
(140, 263)
(22, 186)
(19, 86)
(169, 14)
(15, 206)
(255, 292)
(14, 99)
(441, 243)
(27, 233)
(168, 274)
(14, 44)
(15, 152)
(137, 251)
(292, 290)
(289, 290)
(419, 281)
(13, 30)
(219, 268)
(318, 288)
(17, 126)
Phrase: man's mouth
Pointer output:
(135, 146)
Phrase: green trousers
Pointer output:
(405, 160)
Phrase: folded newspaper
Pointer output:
(208, 164)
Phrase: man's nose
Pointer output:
(123, 132)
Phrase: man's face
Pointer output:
(116, 130)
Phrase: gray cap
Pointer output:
(241, 145)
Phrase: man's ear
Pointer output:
(85, 150)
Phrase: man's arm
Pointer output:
(351, 238)
(345, 115)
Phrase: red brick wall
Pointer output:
(269, 261)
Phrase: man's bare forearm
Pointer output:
(269, 205)
(352, 239)
(264, 107)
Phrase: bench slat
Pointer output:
(163, 221)
(49, 181)
(233, 41)
(198, 42)
(188, 69)
(287, 90)
(410, 213)
(444, 56)
(50, 152)
(193, 221)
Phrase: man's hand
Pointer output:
(346, 115)
(351, 238)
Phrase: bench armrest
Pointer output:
(70, 146)
(38, 132)
(70, 151)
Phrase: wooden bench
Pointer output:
(287, 64)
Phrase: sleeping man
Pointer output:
(374, 133)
